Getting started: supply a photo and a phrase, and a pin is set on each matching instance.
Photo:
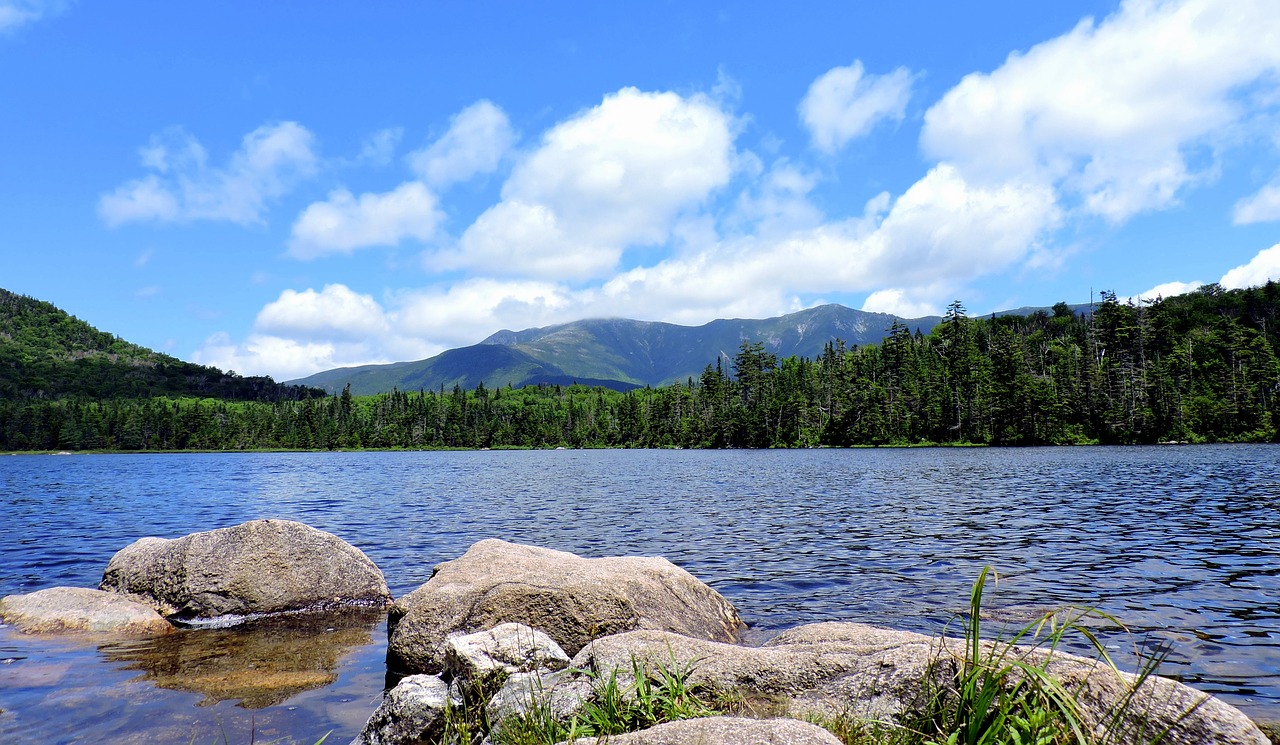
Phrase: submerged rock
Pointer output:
(261, 663)
(78, 609)
(572, 599)
(724, 731)
(261, 566)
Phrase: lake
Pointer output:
(1181, 543)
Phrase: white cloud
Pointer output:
(478, 138)
(183, 187)
(844, 104)
(1264, 206)
(283, 359)
(467, 312)
(344, 223)
(17, 13)
(618, 175)
(334, 312)
(142, 199)
(942, 229)
(1168, 289)
(1261, 268)
(898, 302)
(1110, 111)
(380, 147)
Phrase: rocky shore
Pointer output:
(508, 633)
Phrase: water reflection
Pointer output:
(261, 663)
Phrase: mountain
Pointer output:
(47, 353)
(616, 353)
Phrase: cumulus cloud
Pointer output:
(307, 331)
(478, 138)
(335, 311)
(844, 104)
(1110, 111)
(345, 223)
(941, 227)
(1261, 268)
(617, 175)
(1263, 206)
(899, 302)
(183, 186)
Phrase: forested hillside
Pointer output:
(1193, 368)
(46, 353)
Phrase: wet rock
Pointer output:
(413, 712)
(572, 599)
(724, 731)
(832, 669)
(485, 659)
(77, 609)
(262, 566)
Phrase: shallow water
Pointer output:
(1180, 543)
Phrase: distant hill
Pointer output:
(47, 353)
(616, 353)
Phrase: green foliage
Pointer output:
(47, 354)
(1203, 367)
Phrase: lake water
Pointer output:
(1182, 544)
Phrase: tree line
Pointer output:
(1200, 367)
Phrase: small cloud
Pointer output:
(144, 258)
(897, 302)
(147, 292)
(345, 223)
(1263, 206)
(184, 187)
(380, 147)
(845, 103)
(1168, 289)
(15, 14)
(478, 138)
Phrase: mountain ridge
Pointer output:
(618, 353)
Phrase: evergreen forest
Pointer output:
(1200, 367)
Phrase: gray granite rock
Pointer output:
(261, 566)
(572, 599)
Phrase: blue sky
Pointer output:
(283, 188)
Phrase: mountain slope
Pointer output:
(618, 353)
(47, 353)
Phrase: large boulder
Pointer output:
(78, 609)
(572, 599)
(723, 731)
(262, 566)
(849, 669)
